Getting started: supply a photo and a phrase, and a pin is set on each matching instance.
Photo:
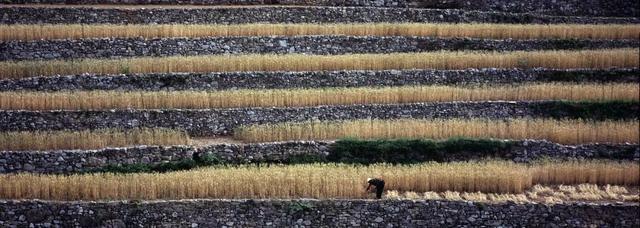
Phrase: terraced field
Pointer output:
(240, 113)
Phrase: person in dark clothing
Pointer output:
(378, 184)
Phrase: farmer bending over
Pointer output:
(378, 184)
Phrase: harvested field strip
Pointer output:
(490, 31)
(98, 100)
(58, 140)
(314, 181)
(445, 60)
(560, 131)
(537, 194)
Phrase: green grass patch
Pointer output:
(591, 76)
(407, 151)
(608, 110)
(185, 164)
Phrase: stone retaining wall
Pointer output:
(216, 122)
(72, 161)
(141, 2)
(27, 15)
(315, 79)
(323, 45)
(376, 3)
(606, 8)
(312, 213)
(599, 8)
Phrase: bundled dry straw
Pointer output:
(311, 181)
(560, 131)
(537, 194)
(299, 62)
(491, 31)
(58, 140)
(96, 100)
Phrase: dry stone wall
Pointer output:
(606, 8)
(598, 8)
(27, 15)
(314, 79)
(217, 122)
(73, 161)
(141, 2)
(377, 3)
(312, 213)
(322, 45)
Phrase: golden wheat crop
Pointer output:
(309, 181)
(560, 131)
(58, 140)
(491, 31)
(536, 194)
(549, 173)
(97, 100)
(298, 62)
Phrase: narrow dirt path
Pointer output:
(202, 142)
